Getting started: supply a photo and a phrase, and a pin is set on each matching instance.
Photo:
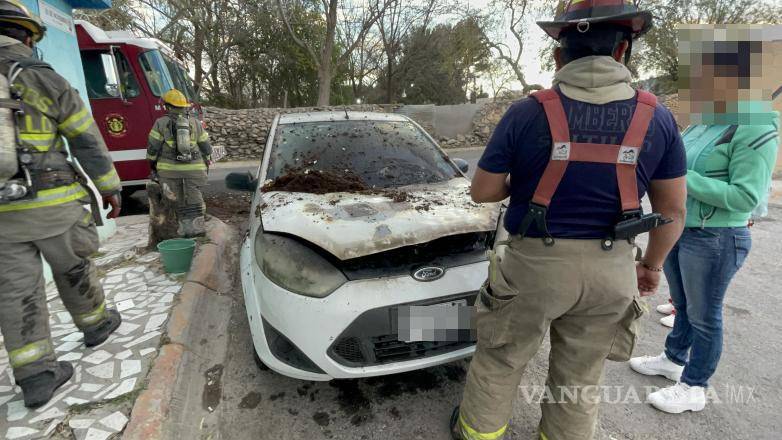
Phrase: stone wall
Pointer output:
(487, 117)
(243, 132)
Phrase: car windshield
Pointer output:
(383, 154)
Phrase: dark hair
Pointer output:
(15, 31)
(599, 39)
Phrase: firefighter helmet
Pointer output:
(175, 98)
(582, 13)
(11, 11)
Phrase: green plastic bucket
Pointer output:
(177, 254)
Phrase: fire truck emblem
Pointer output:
(116, 125)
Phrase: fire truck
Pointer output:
(125, 77)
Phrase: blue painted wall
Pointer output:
(60, 49)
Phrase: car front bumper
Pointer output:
(315, 326)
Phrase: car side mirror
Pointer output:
(462, 164)
(241, 182)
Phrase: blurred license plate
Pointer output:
(444, 322)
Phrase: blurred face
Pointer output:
(724, 68)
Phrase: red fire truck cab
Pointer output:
(126, 76)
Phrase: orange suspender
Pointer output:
(563, 151)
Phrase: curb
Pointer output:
(153, 405)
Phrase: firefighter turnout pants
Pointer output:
(24, 316)
(586, 297)
(186, 194)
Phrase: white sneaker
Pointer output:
(668, 320)
(678, 398)
(657, 366)
(665, 309)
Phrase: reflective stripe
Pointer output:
(470, 434)
(151, 157)
(543, 436)
(181, 166)
(154, 134)
(77, 123)
(30, 353)
(108, 181)
(91, 318)
(38, 141)
(48, 197)
(204, 137)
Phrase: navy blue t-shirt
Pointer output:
(586, 204)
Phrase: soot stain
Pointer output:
(352, 401)
(279, 395)
(321, 418)
(213, 389)
(415, 381)
(251, 400)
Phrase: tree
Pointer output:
(441, 61)
(505, 19)
(322, 54)
(119, 17)
(659, 48)
(394, 26)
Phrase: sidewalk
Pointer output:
(96, 402)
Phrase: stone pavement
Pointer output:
(96, 402)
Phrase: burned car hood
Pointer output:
(351, 225)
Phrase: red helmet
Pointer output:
(583, 13)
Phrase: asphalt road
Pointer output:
(255, 403)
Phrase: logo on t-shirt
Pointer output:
(628, 155)
(560, 151)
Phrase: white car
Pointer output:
(325, 269)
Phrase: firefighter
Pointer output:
(42, 212)
(179, 154)
(579, 157)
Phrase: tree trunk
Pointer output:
(390, 80)
(324, 84)
(163, 223)
(324, 67)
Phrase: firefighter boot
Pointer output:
(38, 389)
(98, 333)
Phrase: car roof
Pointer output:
(325, 116)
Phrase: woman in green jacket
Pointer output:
(731, 154)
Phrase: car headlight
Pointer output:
(294, 266)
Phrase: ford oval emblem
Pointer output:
(429, 273)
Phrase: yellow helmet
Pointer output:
(11, 11)
(175, 98)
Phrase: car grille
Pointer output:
(372, 338)
(389, 349)
(349, 349)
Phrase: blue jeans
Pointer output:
(699, 270)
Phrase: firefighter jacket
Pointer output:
(53, 114)
(162, 148)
